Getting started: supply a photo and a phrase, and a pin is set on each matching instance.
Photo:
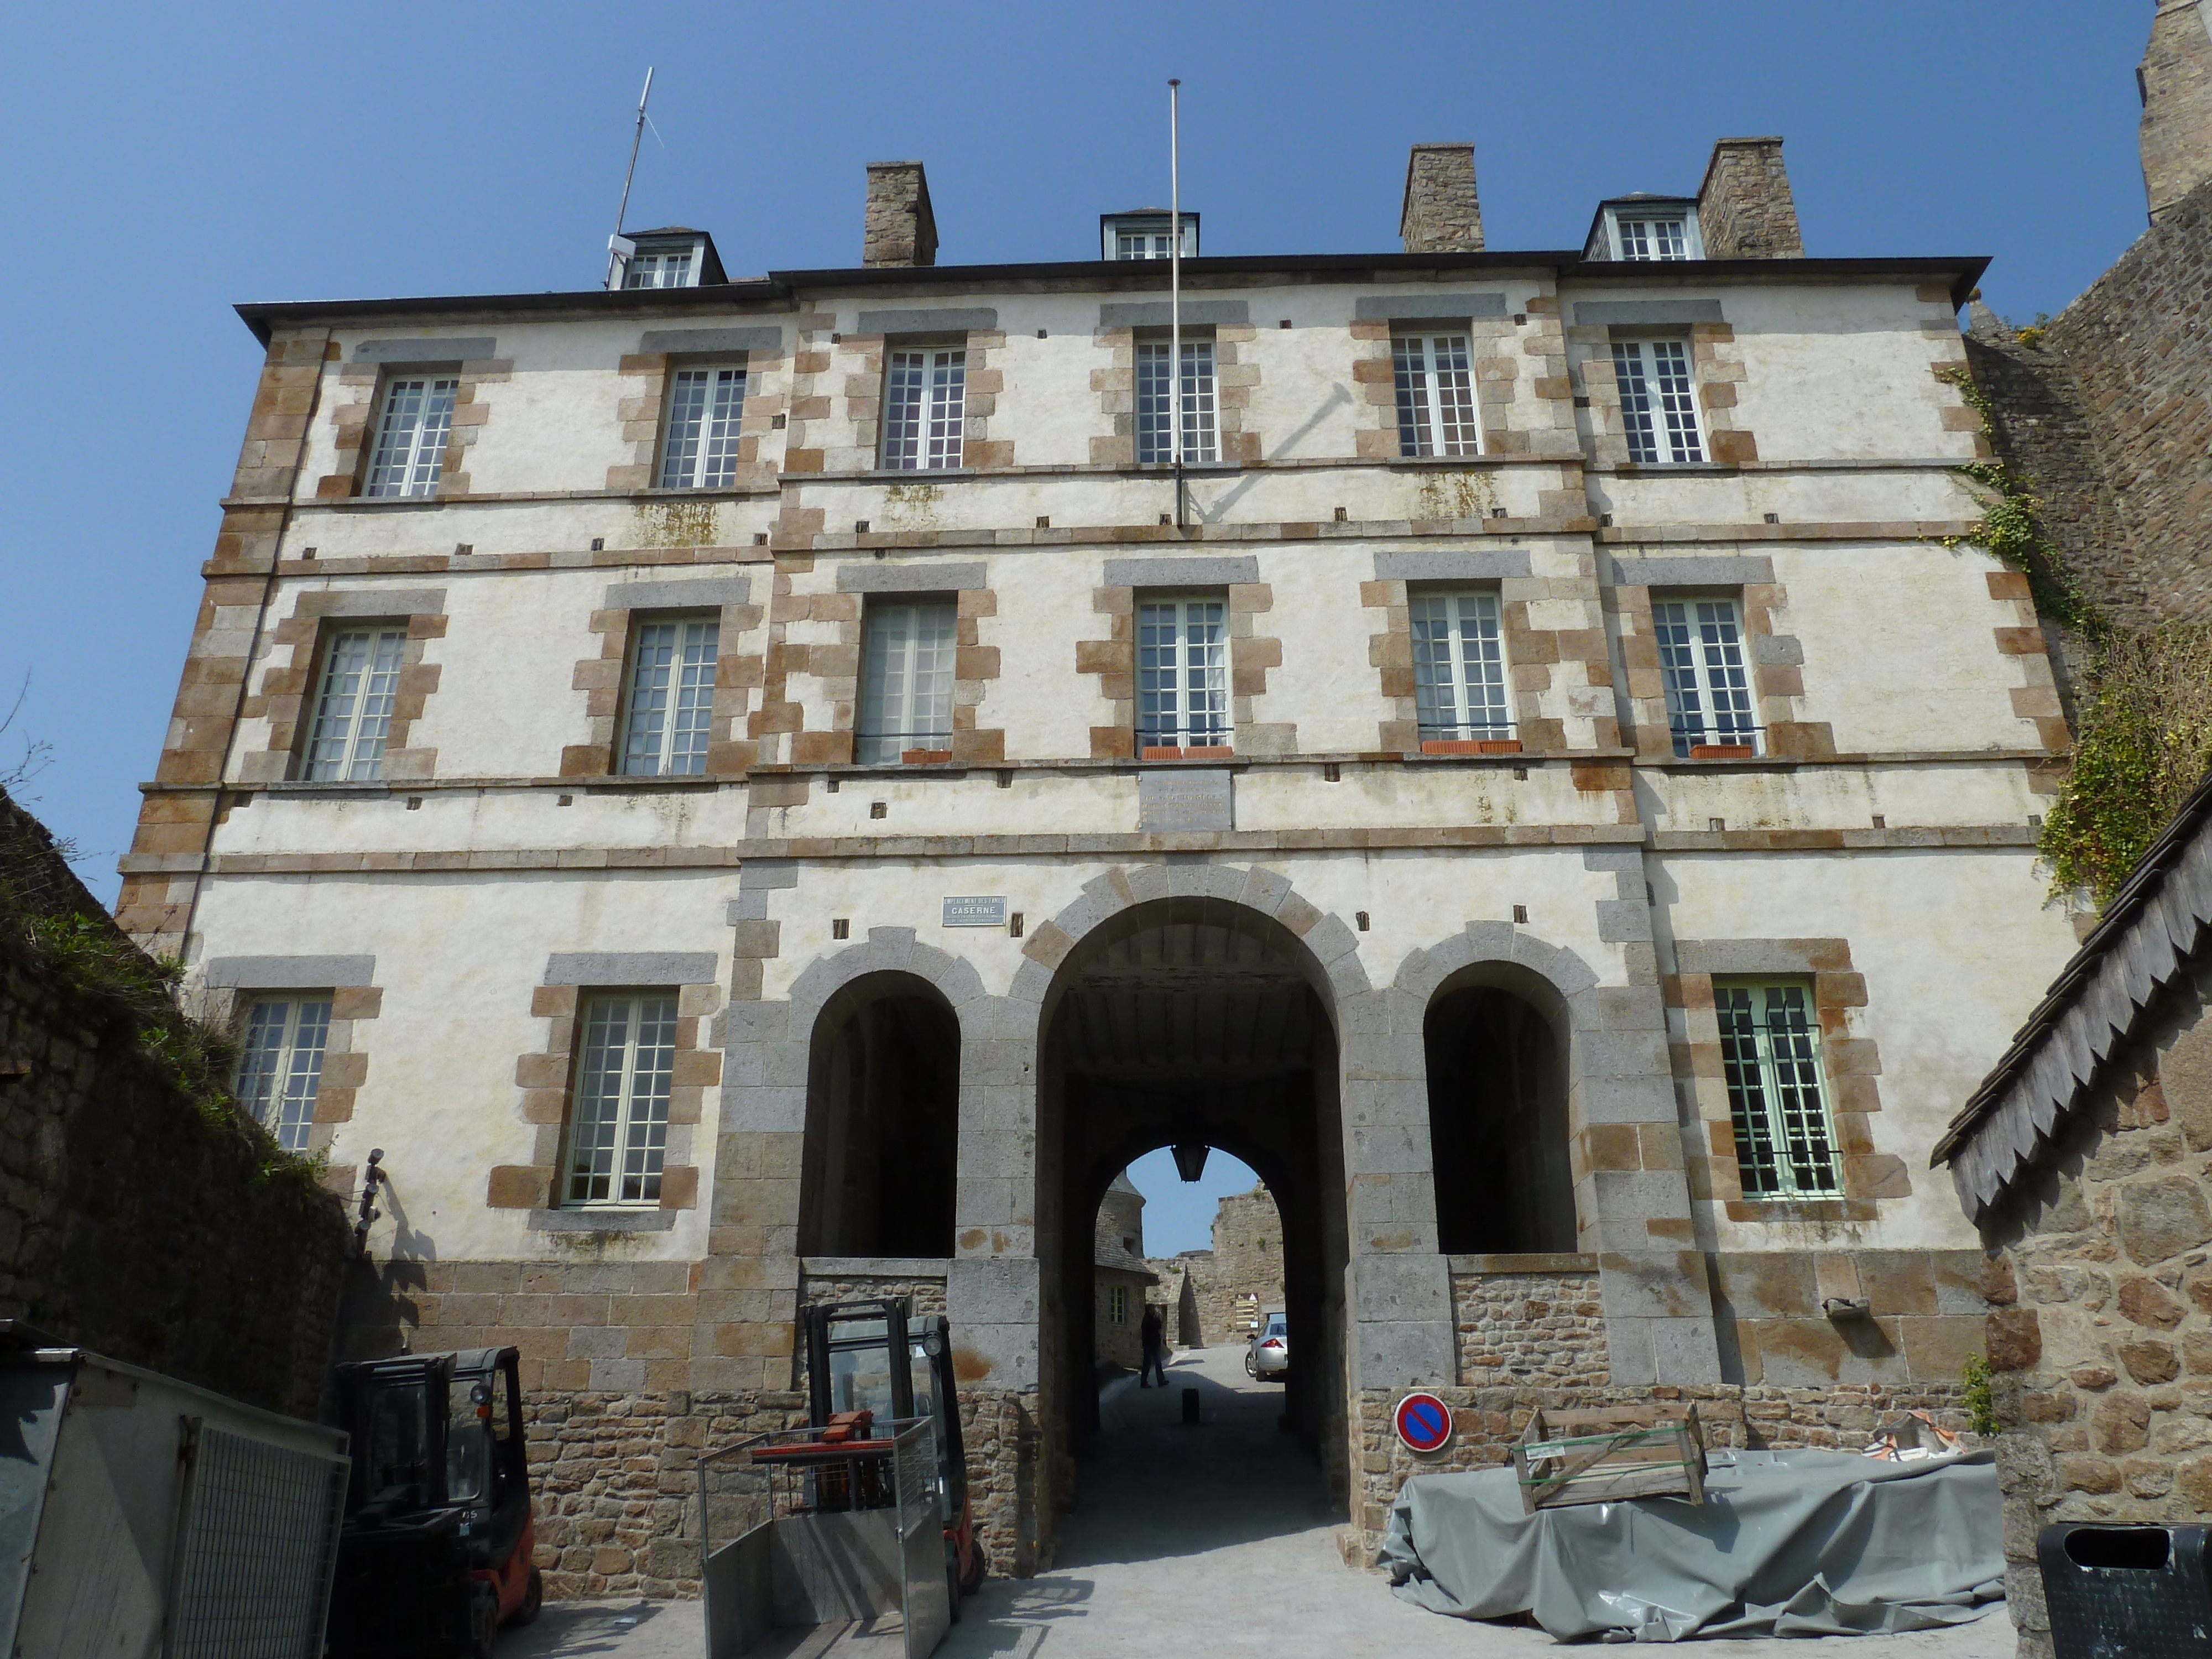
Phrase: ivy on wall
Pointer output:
(2144, 745)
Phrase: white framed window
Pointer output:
(699, 441)
(1156, 404)
(1117, 1303)
(670, 702)
(1656, 234)
(1701, 665)
(1436, 395)
(280, 1064)
(1145, 236)
(1658, 400)
(925, 404)
(1785, 1145)
(411, 436)
(359, 684)
(906, 682)
(1459, 668)
(664, 268)
(1182, 671)
(619, 1126)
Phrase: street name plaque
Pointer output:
(976, 911)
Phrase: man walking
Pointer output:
(1153, 1333)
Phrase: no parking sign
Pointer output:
(1424, 1422)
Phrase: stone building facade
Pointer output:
(811, 797)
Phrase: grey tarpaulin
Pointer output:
(1791, 1543)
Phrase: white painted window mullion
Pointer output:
(411, 437)
(280, 1065)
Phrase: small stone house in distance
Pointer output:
(2083, 1161)
(1121, 1279)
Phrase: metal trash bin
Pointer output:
(2118, 1592)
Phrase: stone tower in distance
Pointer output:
(2176, 82)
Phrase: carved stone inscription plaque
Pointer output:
(1170, 800)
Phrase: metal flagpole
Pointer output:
(1174, 288)
(615, 253)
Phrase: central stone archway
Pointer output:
(1196, 1022)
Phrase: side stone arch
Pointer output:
(1632, 1193)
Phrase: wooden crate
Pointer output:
(1597, 1456)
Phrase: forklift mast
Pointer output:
(875, 1357)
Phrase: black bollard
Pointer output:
(1190, 1406)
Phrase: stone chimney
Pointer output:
(900, 229)
(1441, 213)
(2176, 83)
(1745, 210)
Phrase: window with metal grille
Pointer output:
(618, 1130)
(925, 403)
(1771, 1055)
(906, 682)
(1459, 667)
(669, 268)
(671, 705)
(411, 437)
(353, 706)
(699, 448)
(1436, 395)
(1182, 671)
(1658, 400)
(1701, 665)
(1657, 236)
(280, 1064)
(1156, 404)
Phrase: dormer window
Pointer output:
(1661, 229)
(671, 257)
(1144, 234)
(669, 268)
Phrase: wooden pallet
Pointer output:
(1597, 1457)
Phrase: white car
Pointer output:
(1268, 1354)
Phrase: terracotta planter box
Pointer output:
(924, 756)
(1472, 746)
(1211, 752)
(1721, 751)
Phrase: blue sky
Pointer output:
(169, 161)
(1180, 1217)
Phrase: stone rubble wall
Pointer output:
(130, 1223)
(2102, 1337)
(1533, 1328)
(2110, 416)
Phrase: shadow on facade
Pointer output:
(883, 1125)
(1194, 1022)
(1498, 1119)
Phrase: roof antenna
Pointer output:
(620, 248)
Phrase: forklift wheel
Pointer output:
(974, 1581)
(952, 1580)
(486, 1621)
(533, 1601)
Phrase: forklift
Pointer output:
(854, 1383)
(859, 1524)
(435, 1555)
